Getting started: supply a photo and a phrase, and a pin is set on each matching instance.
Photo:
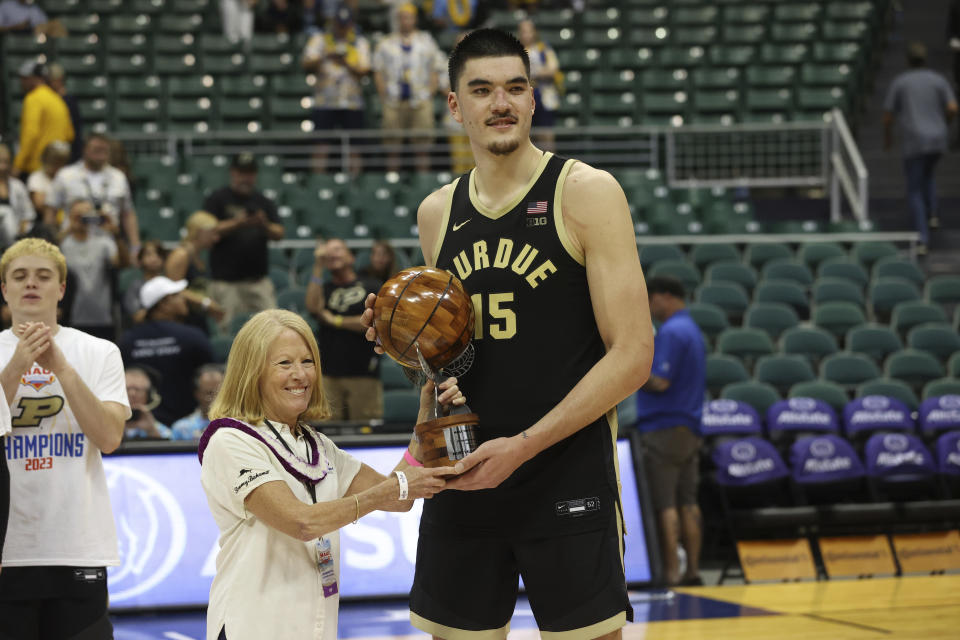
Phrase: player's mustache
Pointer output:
(502, 116)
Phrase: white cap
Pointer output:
(156, 289)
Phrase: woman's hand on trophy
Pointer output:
(367, 320)
(450, 394)
(425, 482)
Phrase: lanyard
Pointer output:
(311, 488)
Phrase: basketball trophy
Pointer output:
(424, 320)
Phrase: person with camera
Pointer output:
(105, 187)
(16, 210)
(67, 390)
(143, 396)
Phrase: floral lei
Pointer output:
(311, 471)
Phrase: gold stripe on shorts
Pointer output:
(588, 633)
(452, 633)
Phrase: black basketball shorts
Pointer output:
(466, 586)
(54, 603)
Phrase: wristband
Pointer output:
(205, 303)
(410, 460)
(316, 280)
(357, 498)
(404, 488)
(338, 321)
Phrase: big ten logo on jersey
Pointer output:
(537, 214)
(343, 298)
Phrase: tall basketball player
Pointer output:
(546, 249)
(69, 399)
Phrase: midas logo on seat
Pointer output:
(33, 410)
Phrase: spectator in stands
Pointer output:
(669, 407)
(237, 16)
(57, 78)
(383, 262)
(351, 370)
(281, 16)
(206, 384)
(21, 16)
(106, 187)
(150, 259)
(167, 345)
(143, 397)
(91, 258)
(457, 16)
(953, 33)
(406, 79)
(340, 58)
(186, 263)
(238, 258)
(40, 183)
(547, 79)
(16, 210)
(922, 103)
(44, 118)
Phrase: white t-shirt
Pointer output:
(267, 583)
(108, 187)
(39, 181)
(4, 416)
(59, 505)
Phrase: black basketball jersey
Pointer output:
(535, 338)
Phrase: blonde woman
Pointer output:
(280, 491)
(186, 263)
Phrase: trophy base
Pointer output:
(445, 440)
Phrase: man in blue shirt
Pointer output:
(669, 407)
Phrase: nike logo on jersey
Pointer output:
(458, 225)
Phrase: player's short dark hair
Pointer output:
(666, 284)
(484, 43)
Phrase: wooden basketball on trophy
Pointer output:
(427, 309)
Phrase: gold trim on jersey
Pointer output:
(490, 213)
(565, 238)
(614, 422)
(444, 221)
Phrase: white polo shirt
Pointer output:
(267, 583)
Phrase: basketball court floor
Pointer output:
(910, 608)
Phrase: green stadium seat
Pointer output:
(890, 388)
(777, 76)
(711, 319)
(179, 23)
(866, 253)
(601, 17)
(845, 11)
(907, 315)
(401, 406)
(650, 79)
(785, 292)
(89, 64)
(778, 101)
(171, 64)
(797, 12)
(874, 340)
(647, 16)
(783, 371)
(681, 57)
(130, 65)
(180, 44)
(943, 289)
(795, 54)
(749, 34)
(953, 366)
(221, 347)
(129, 23)
(772, 317)
(703, 255)
(224, 63)
(846, 32)
(290, 84)
(601, 38)
(800, 32)
(845, 268)
(826, 75)
(747, 344)
(79, 23)
(743, 13)
(146, 6)
(914, 367)
(830, 392)
(733, 55)
(722, 370)
(896, 267)
(811, 342)
(837, 290)
(683, 271)
(164, 227)
(813, 253)
(761, 396)
(392, 375)
(650, 254)
(274, 44)
(886, 293)
(849, 369)
(292, 298)
(788, 270)
(695, 15)
(189, 6)
(757, 255)
(216, 43)
(694, 36)
(739, 273)
(941, 387)
(70, 45)
(838, 317)
(939, 340)
(194, 85)
(729, 296)
(589, 59)
(189, 109)
(267, 63)
(726, 78)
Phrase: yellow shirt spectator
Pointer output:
(45, 118)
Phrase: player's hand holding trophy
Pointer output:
(424, 320)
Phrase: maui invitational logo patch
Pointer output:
(38, 378)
